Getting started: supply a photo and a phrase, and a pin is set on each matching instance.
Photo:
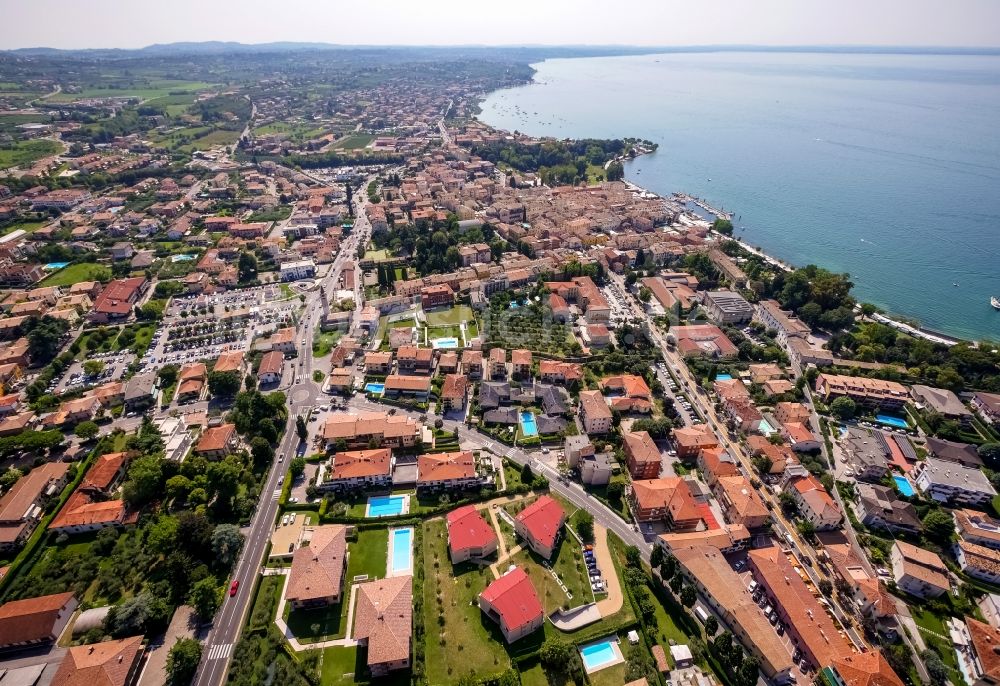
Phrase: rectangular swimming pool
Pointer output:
(55, 265)
(598, 655)
(903, 485)
(894, 422)
(375, 387)
(401, 551)
(528, 425)
(386, 505)
(439, 343)
(723, 377)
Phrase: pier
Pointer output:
(721, 214)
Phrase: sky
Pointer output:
(134, 23)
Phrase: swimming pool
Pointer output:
(723, 377)
(401, 551)
(903, 485)
(889, 420)
(451, 342)
(528, 425)
(375, 388)
(55, 265)
(766, 428)
(181, 258)
(513, 305)
(601, 654)
(387, 505)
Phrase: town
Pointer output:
(310, 377)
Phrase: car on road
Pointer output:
(234, 587)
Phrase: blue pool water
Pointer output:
(444, 343)
(528, 425)
(903, 484)
(723, 377)
(386, 505)
(766, 428)
(55, 265)
(374, 387)
(597, 655)
(514, 305)
(402, 551)
(889, 420)
(181, 258)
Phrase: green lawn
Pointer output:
(377, 255)
(75, 273)
(266, 602)
(355, 141)
(927, 620)
(26, 152)
(452, 315)
(211, 140)
(339, 666)
(324, 342)
(157, 88)
(568, 564)
(25, 226)
(609, 676)
(368, 554)
(460, 639)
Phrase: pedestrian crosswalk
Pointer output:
(220, 651)
(276, 494)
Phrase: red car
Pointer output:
(235, 586)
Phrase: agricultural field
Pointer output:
(26, 152)
(354, 141)
(148, 90)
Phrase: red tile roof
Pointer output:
(467, 529)
(100, 664)
(514, 598)
(446, 466)
(543, 519)
(31, 619)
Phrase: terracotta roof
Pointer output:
(80, 510)
(446, 466)
(639, 446)
(399, 382)
(715, 465)
(28, 489)
(743, 497)
(570, 371)
(215, 438)
(521, 357)
(99, 664)
(594, 405)
(351, 464)
(271, 363)
(318, 568)
(631, 385)
(31, 619)
(986, 642)
(193, 370)
(383, 616)
(350, 426)
(671, 493)
(104, 471)
(543, 519)
(866, 669)
(117, 296)
(229, 361)
(455, 386)
(699, 436)
(514, 599)
(468, 529)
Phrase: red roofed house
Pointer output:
(984, 653)
(668, 500)
(445, 471)
(359, 469)
(815, 503)
(631, 393)
(115, 302)
(33, 621)
(690, 440)
(521, 363)
(551, 371)
(539, 524)
(90, 507)
(217, 441)
(469, 535)
(317, 575)
(642, 453)
(511, 602)
(702, 340)
(454, 391)
(864, 669)
(111, 663)
(383, 621)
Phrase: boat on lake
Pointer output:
(995, 302)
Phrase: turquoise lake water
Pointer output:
(883, 166)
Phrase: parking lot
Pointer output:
(75, 377)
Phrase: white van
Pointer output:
(701, 614)
(752, 586)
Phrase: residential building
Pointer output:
(874, 393)
(272, 364)
(90, 508)
(109, 663)
(978, 561)
(943, 402)
(667, 500)
(217, 441)
(116, 301)
(770, 314)
(378, 362)
(690, 440)
(400, 386)
(551, 371)
(413, 359)
(454, 392)
(702, 340)
(355, 470)
(383, 621)
(191, 382)
(498, 363)
(436, 296)
(727, 307)
(316, 578)
(233, 361)
(814, 503)
(944, 481)
(297, 270)
(469, 535)
(866, 453)
(511, 602)
(630, 393)
(740, 502)
(812, 629)
(952, 451)
(861, 669)
(594, 413)
(643, 456)
(540, 524)
(878, 507)
(716, 463)
(917, 571)
(729, 538)
(978, 528)
(360, 430)
(521, 363)
(22, 506)
(472, 363)
(988, 406)
(984, 663)
(283, 340)
(35, 621)
(447, 471)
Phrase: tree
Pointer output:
(178, 487)
(527, 476)
(633, 557)
(145, 476)
(204, 597)
(615, 171)
(261, 452)
(86, 430)
(556, 654)
(44, 336)
(247, 267)
(227, 541)
(168, 375)
(616, 489)
(787, 502)
(93, 367)
(711, 626)
(990, 452)
(301, 428)
(668, 568)
(224, 384)
(297, 467)
(939, 526)
(645, 294)
(825, 587)
(689, 595)
(806, 529)
(723, 226)
(843, 408)
(10, 477)
(585, 526)
(936, 668)
(182, 661)
(656, 556)
(139, 614)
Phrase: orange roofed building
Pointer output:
(511, 602)
(668, 500)
(447, 471)
(357, 469)
(540, 524)
(469, 535)
(111, 663)
(383, 621)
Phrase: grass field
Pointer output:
(211, 140)
(75, 273)
(324, 341)
(26, 152)
(377, 255)
(354, 141)
(460, 639)
(609, 676)
(156, 88)
(452, 315)
(568, 564)
(173, 105)
(26, 226)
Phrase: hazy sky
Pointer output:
(135, 23)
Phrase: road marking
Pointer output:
(220, 651)
(276, 494)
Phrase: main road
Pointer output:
(302, 396)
